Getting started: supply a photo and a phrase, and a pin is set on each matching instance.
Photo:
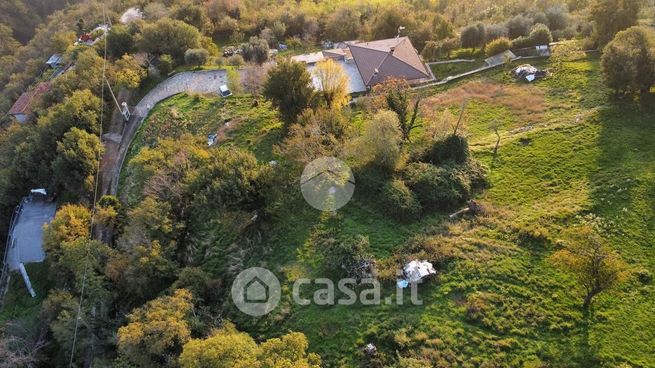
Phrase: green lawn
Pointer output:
(17, 302)
(441, 71)
(581, 152)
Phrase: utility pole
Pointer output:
(125, 111)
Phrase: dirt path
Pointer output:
(117, 140)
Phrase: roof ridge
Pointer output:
(378, 67)
(405, 38)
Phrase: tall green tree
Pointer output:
(191, 13)
(128, 73)
(334, 83)
(289, 87)
(398, 101)
(612, 16)
(343, 25)
(380, 143)
(33, 158)
(229, 348)
(595, 266)
(78, 156)
(8, 44)
(157, 331)
(120, 41)
(169, 36)
(197, 57)
(255, 50)
(473, 36)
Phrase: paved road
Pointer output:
(27, 234)
(206, 81)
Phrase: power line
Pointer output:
(95, 191)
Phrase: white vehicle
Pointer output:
(224, 91)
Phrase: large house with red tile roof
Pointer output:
(370, 63)
(390, 58)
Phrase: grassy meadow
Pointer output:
(568, 149)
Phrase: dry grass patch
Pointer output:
(525, 101)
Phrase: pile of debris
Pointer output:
(414, 272)
(528, 73)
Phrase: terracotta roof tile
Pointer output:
(25, 102)
(393, 57)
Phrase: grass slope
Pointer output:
(567, 149)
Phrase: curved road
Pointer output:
(205, 81)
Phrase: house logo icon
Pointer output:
(256, 291)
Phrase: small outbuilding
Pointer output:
(55, 61)
(502, 58)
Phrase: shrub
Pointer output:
(521, 42)
(476, 172)
(434, 50)
(473, 36)
(497, 46)
(495, 31)
(399, 201)
(437, 187)
(380, 143)
(339, 254)
(519, 26)
(235, 60)
(255, 50)
(628, 61)
(467, 53)
(532, 234)
(438, 249)
(453, 148)
(219, 61)
(558, 17)
(540, 35)
(165, 64)
(539, 17)
(196, 57)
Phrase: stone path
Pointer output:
(116, 147)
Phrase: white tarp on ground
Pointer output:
(414, 272)
(524, 69)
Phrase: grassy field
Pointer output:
(441, 71)
(568, 149)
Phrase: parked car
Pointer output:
(224, 91)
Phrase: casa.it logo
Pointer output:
(256, 291)
(327, 184)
